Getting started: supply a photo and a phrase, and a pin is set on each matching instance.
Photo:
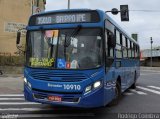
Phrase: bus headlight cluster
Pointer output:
(27, 83)
(95, 85)
(25, 80)
(88, 89)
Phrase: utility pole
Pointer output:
(32, 4)
(151, 51)
(68, 4)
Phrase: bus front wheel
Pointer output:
(115, 101)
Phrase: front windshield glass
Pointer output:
(65, 49)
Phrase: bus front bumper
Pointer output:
(90, 100)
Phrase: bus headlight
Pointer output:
(25, 80)
(88, 89)
(97, 84)
(29, 85)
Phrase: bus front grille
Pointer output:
(58, 77)
(55, 92)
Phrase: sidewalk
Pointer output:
(11, 71)
(11, 84)
(11, 75)
(150, 68)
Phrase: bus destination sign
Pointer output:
(63, 18)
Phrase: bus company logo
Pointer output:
(54, 85)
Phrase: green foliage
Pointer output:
(11, 60)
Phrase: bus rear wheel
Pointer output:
(133, 86)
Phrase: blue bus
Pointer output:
(78, 58)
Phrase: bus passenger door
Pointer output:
(109, 67)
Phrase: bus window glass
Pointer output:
(118, 53)
(61, 49)
(117, 37)
(109, 50)
(124, 41)
(132, 49)
(124, 52)
(129, 44)
(129, 53)
(121, 42)
(136, 54)
(119, 47)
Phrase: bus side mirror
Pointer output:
(18, 37)
(112, 41)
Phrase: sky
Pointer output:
(145, 23)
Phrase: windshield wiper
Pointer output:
(68, 38)
(74, 34)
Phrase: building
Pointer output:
(14, 15)
(146, 56)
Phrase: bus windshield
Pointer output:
(63, 49)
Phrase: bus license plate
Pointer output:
(55, 98)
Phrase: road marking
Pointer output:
(11, 99)
(127, 93)
(11, 95)
(56, 115)
(155, 87)
(19, 103)
(25, 109)
(149, 90)
(138, 92)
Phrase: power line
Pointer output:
(144, 10)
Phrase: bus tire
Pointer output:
(115, 101)
(1, 73)
(133, 86)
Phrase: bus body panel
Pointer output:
(40, 87)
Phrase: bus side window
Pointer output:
(109, 50)
(124, 47)
(132, 50)
(118, 45)
(127, 47)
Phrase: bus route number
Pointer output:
(71, 87)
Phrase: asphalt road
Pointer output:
(144, 99)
